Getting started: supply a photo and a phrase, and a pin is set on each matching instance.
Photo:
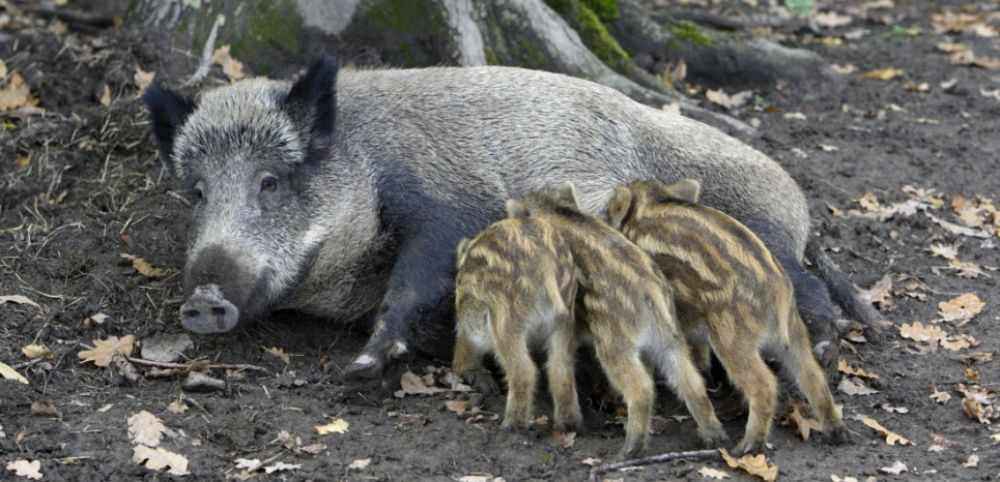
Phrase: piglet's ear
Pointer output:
(313, 101)
(619, 206)
(688, 190)
(516, 209)
(566, 194)
(167, 111)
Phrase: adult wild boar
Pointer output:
(342, 196)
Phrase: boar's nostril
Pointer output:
(191, 313)
(218, 311)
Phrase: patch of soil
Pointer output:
(91, 189)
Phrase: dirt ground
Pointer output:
(80, 185)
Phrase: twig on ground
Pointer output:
(656, 459)
(193, 364)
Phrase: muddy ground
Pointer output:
(80, 185)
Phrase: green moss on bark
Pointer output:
(592, 30)
(690, 32)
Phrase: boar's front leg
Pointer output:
(421, 282)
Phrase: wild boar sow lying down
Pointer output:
(345, 195)
(731, 293)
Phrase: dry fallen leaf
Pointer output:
(9, 373)
(805, 424)
(279, 353)
(835, 478)
(895, 469)
(105, 350)
(459, 407)
(564, 439)
(959, 342)
(3, 69)
(891, 438)
(893, 409)
(23, 468)
(844, 367)
(591, 461)
(177, 406)
(230, 66)
(853, 386)
(752, 464)
(105, 98)
(359, 464)
(844, 69)
(144, 267)
(159, 459)
(919, 332)
(961, 309)
(249, 465)
(18, 300)
(728, 101)
(832, 19)
(887, 73)
(971, 462)
(16, 94)
(45, 408)
(142, 79)
(411, 384)
(337, 426)
(145, 429)
(880, 294)
(710, 473)
(33, 351)
(949, 252)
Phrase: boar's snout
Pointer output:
(207, 311)
(221, 290)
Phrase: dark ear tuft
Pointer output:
(619, 206)
(167, 111)
(313, 99)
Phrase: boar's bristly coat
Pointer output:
(345, 195)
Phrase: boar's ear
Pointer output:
(167, 111)
(312, 101)
(688, 190)
(516, 209)
(566, 195)
(619, 206)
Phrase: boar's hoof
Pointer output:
(207, 311)
(372, 361)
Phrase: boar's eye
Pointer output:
(268, 184)
(197, 193)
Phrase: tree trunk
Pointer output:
(277, 37)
